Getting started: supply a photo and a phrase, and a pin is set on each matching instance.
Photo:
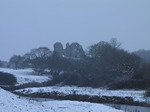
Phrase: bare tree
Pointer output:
(15, 62)
(114, 43)
(37, 58)
(41, 52)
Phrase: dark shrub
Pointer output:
(147, 93)
(7, 79)
(130, 84)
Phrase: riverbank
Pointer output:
(128, 97)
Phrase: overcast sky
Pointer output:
(27, 24)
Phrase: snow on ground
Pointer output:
(137, 95)
(12, 103)
(25, 75)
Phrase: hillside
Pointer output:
(144, 54)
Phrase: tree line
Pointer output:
(105, 64)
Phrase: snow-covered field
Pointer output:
(25, 75)
(137, 95)
(12, 103)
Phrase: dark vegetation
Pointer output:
(104, 65)
(131, 84)
(87, 98)
(147, 93)
(7, 79)
(3, 64)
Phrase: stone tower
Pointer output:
(74, 50)
(58, 48)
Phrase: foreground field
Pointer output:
(25, 76)
(12, 103)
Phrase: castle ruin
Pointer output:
(73, 50)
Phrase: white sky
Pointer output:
(27, 24)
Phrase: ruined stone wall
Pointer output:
(73, 50)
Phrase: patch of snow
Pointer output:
(24, 76)
(12, 103)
